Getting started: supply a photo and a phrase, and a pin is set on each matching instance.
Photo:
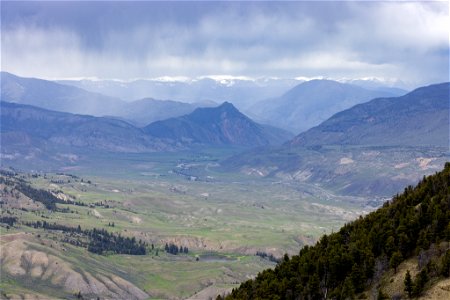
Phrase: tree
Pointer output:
(419, 283)
(348, 290)
(381, 295)
(408, 284)
(79, 296)
(445, 266)
(396, 259)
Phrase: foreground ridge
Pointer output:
(346, 264)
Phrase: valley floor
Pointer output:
(222, 219)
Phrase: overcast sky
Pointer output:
(393, 40)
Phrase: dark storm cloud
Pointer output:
(406, 40)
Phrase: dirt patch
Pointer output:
(97, 214)
(424, 163)
(401, 165)
(135, 219)
(438, 291)
(346, 161)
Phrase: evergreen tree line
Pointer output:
(8, 220)
(345, 263)
(100, 240)
(174, 249)
(268, 256)
(45, 197)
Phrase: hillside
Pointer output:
(419, 118)
(54, 96)
(67, 98)
(31, 128)
(145, 111)
(312, 102)
(350, 263)
(222, 125)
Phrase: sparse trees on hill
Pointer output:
(100, 240)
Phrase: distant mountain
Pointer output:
(419, 118)
(394, 86)
(145, 111)
(241, 92)
(31, 127)
(312, 102)
(60, 97)
(54, 96)
(222, 125)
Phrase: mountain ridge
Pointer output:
(55, 96)
(40, 127)
(311, 102)
(61, 97)
(221, 125)
(417, 118)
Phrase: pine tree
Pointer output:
(396, 259)
(408, 284)
(419, 283)
(445, 266)
(348, 290)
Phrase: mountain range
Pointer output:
(373, 148)
(65, 98)
(242, 92)
(312, 102)
(300, 107)
(28, 129)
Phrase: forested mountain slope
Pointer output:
(345, 264)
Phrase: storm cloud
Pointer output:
(407, 41)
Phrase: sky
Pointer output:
(391, 40)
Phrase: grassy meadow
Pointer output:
(223, 219)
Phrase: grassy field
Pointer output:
(223, 218)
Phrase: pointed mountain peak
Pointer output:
(227, 106)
